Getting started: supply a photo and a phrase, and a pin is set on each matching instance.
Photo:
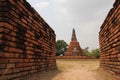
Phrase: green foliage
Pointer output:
(61, 46)
(86, 52)
(95, 52)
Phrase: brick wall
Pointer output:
(109, 38)
(27, 43)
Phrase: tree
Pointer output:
(94, 52)
(60, 47)
(86, 51)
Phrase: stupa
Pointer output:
(74, 48)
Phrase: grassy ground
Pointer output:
(76, 70)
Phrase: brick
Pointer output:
(4, 60)
(10, 65)
(2, 66)
(11, 55)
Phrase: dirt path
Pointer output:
(76, 70)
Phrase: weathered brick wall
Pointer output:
(109, 38)
(27, 43)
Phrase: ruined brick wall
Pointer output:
(109, 38)
(27, 43)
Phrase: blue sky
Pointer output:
(86, 16)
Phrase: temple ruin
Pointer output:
(74, 48)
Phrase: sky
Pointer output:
(86, 16)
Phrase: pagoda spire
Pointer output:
(73, 36)
(74, 48)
